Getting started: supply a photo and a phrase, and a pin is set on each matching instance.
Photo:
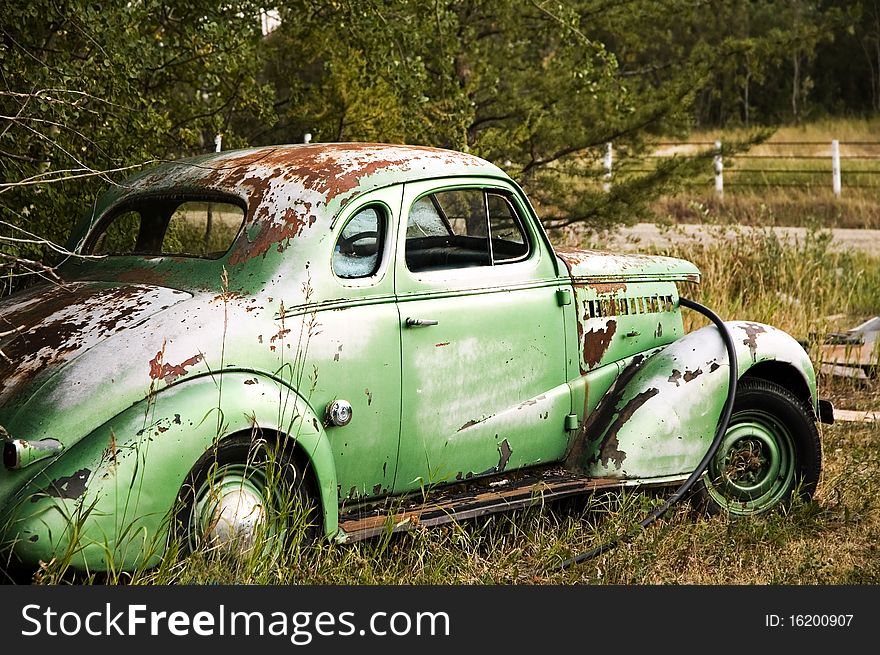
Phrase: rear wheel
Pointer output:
(241, 492)
(770, 449)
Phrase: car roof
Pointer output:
(326, 171)
(287, 188)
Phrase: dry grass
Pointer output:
(832, 540)
(772, 206)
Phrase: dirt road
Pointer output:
(644, 236)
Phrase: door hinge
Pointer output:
(563, 297)
(572, 422)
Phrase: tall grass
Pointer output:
(829, 541)
(772, 206)
(799, 286)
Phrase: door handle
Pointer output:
(419, 322)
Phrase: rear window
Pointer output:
(163, 226)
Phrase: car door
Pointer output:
(356, 344)
(482, 344)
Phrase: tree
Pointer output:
(532, 86)
(88, 93)
(539, 87)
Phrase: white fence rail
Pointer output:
(835, 165)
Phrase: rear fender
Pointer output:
(105, 502)
(659, 417)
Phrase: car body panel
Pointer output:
(105, 502)
(659, 416)
(52, 325)
(513, 412)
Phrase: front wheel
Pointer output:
(770, 449)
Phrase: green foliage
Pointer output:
(86, 88)
(537, 87)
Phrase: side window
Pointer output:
(425, 220)
(508, 239)
(452, 229)
(465, 211)
(358, 250)
(448, 229)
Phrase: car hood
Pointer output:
(49, 325)
(597, 266)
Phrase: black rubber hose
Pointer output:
(726, 411)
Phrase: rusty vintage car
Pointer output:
(393, 325)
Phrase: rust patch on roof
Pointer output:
(330, 169)
(288, 187)
(596, 343)
(294, 221)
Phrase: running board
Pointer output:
(460, 502)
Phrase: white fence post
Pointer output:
(835, 167)
(718, 164)
(218, 143)
(609, 159)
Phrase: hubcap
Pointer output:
(230, 509)
(755, 465)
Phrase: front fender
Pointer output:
(659, 417)
(105, 503)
